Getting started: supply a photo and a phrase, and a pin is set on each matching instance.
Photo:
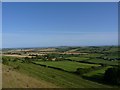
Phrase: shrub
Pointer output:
(5, 60)
(112, 75)
(81, 71)
(17, 67)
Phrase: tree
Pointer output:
(112, 75)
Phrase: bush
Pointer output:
(15, 59)
(17, 67)
(27, 60)
(5, 60)
(81, 71)
(112, 75)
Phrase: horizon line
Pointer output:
(56, 46)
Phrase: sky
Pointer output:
(41, 24)
(0, 26)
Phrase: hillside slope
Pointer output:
(13, 79)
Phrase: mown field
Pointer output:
(94, 60)
(67, 65)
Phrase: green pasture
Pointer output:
(67, 65)
(59, 78)
(94, 60)
(78, 58)
(97, 72)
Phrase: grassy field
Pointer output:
(56, 77)
(67, 65)
(97, 72)
(103, 61)
(13, 79)
(78, 58)
(93, 55)
(60, 70)
(94, 60)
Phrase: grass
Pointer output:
(35, 76)
(97, 72)
(67, 65)
(103, 61)
(78, 58)
(59, 78)
(72, 50)
(94, 60)
(13, 79)
(92, 55)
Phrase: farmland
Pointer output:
(57, 77)
(94, 60)
(97, 73)
(68, 65)
(59, 67)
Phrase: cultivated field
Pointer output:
(69, 67)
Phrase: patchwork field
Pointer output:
(56, 77)
(67, 65)
(96, 73)
(94, 60)
(70, 67)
